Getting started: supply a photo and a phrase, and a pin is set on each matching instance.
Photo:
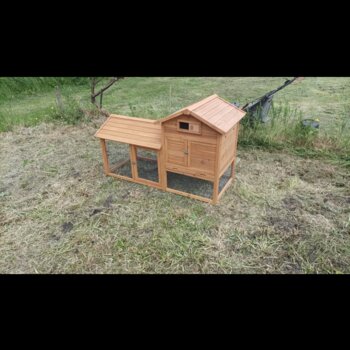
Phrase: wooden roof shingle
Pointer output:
(213, 111)
(134, 131)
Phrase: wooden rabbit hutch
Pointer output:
(194, 148)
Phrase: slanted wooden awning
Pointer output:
(134, 131)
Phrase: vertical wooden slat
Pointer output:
(158, 166)
(105, 156)
(162, 158)
(133, 160)
(217, 170)
(233, 170)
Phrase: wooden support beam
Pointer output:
(225, 187)
(138, 181)
(105, 156)
(133, 162)
(233, 170)
(216, 170)
(190, 195)
(162, 161)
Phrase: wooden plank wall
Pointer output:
(228, 149)
(202, 149)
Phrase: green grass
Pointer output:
(31, 101)
(12, 88)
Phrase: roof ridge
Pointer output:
(231, 104)
(201, 103)
(120, 116)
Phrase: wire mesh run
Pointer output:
(147, 164)
(119, 158)
(225, 177)
(190, 185)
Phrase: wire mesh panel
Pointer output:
(190, 184)
(147, 164)
(225, 177)
(119, 158)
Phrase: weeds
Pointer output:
(285, 131)
(68, 110)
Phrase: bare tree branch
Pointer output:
(110, 83)
(94, 82)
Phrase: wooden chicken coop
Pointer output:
(191, 152)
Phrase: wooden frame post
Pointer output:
(106, 168)
(133, 160)
(216, 191)
(233, 170)
(217, 170)
(162, 159)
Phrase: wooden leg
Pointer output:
(133, 160)
(160, 169)
(105, 156)
(233, 170)
(215, 191)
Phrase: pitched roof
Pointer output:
(213, 111)
(135, 131)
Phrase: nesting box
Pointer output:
(193, 149)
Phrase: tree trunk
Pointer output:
(94, 94)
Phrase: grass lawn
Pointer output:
(60, 214)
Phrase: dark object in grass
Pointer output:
(312, 123)
(258, 109)
(66, 227)
(108, 202)
(95, 211)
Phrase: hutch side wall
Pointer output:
(228, 148)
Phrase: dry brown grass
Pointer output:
(60, 214)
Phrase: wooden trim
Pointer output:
(133, 118)
(103, 124)
(234, 159)
(151, 183)
(216, 170)
(193, 196)
(159, 169)
(189, 123)
(122, 177)
(162, 157)
(133, 162)
(147, 148)
(105, 156)
(209, 178)
(225, 187)
(141, 182)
